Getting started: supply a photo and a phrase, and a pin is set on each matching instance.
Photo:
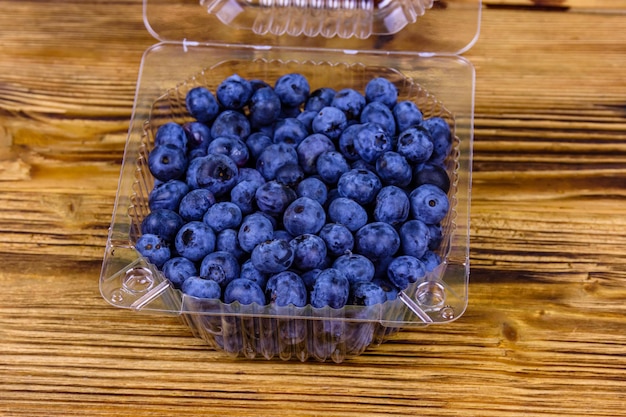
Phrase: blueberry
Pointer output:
(357, 268)
(310, 149)
(244, 292)
(394, 169)
(230, 123)
(309, 252)
(306, 118)
(167, 195)
(441, 136)
(171, 133)
(350, 101)
(391, 291)
(371, 141)
(252, 175)
(338, 238)
(319, 98)
(234, 92)
(221, 267)
(153, 248)
(329, 121)
(248, 271)
(198, 138)
(273, 197)
(431, 174)
(407, 115)
(286, 288)
(429, 203)
(255, 229)
(304, 215)
(243, 195)
(381, 90)
(272, 256)
(256, 143)
(214, 172)
(202, 288)
(379, 114)
(430, 260)
(178, 269)
(347, 212)
(282, 234)
(405, 270)
(232, 147)
(360, 185)
(290, 130)
(415, 144)
(227, 241)
(202, 104)
(308, 277)
(167, 162)
(367, 294)
(436, 236)
(292, 89)
(274, 157)
(195, 203)
(415, 236)
(313, 188)
(194, 241)
(265, 107)
(223, 215)
(376, 240)
(290, 175)
(346, 142)
(391, 205)
(331, 288)
(330, 166)
(164, 223)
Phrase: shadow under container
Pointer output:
(425, 68)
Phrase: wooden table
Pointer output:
(545, 330)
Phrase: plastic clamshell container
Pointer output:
(202, 43)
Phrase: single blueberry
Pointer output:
(306, 118)
(331, 288)
(255, 229)
(431, 174)
(248, 271)
(310, 149)
(346, 142)
(338, 238)
(164, 223)
(290, 175)
(231, 123)
(167, 162)
(178, 269)
(214, 172)
(286, 288)
(367, 294)
(313, 188)
(243, 196)
(441, 136)
(202, 288)
(394, 169)
(167, 195)
(429, 203)
(379, 114)
(319, 98)
(330, 166)
(232, 147)
(304, 215)
(329, 121)
(194, 241)
(391, 206)
(405, 270)
(223, 215)
(359, 185)
(234, 92)
(357, 268)
(273, 197)
(256, 143)
(222, 267)
(171, 133)
(415, 236)
(376, 240)
(202, 104)
(407, 115)
(347, 212)
(252, 175)
(265, 107)
(227, 241)
(430, 260)
(436, 236)
(198, 138)
(195, 203)
(244, 292)
(350, 101)
(289, 130)
(309, 252)
(274, 157)
(371, 141)
(292, 89)
(381, 90)
(153, 248)
(415, 144)
(272, 256)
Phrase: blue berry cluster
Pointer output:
(286, 196)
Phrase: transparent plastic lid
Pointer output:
(384, 26)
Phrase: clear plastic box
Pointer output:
(203, 42)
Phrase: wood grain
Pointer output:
(545, 330)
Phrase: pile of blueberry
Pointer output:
(285, 196)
